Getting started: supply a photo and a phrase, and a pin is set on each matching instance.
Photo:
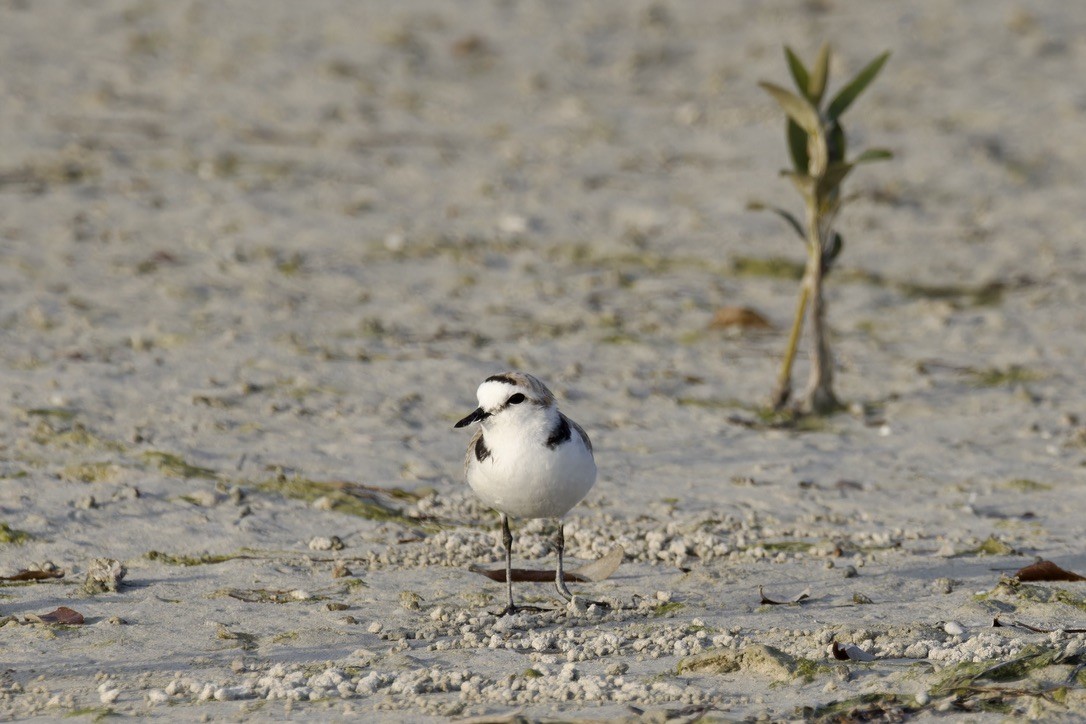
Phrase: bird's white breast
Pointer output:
(524, 478)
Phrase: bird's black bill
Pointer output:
(476, 415)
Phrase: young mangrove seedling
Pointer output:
(816, 144)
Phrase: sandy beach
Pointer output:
(255, 259)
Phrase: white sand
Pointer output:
(291, 238)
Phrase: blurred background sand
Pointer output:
(256, 242)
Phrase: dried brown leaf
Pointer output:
(1047, 571)
(797, 599)
(25, 575)
(742, 317)
(597, 570)
(63, 615)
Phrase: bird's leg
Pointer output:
(559, 574)
(507, 539)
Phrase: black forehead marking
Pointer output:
(501, 378)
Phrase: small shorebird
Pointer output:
(527, 460)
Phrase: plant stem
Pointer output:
(784, 379)
(818, 397)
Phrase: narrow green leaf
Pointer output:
(804, 182)
(832, 251)
(835, 142)
(873, 154)
(791, 219)
(798, 109)
(820, 75)
(783, 213)
(797, 147)
(799, 72)
(835, 174)
(855, 87)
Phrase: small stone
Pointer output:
(375, 627)
(108, 696)
(851, 572)
(953, 628)
(942, 585)
(104, 574)
(157, 696)
(916, 650)
(513, 224)
(578, 606)
(207, 498)
(237, 665)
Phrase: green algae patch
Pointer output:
(59, 432)
(65, 414)
(984, 295)
(13, 536)
(100, 472)
(773, 267)
(991, 546)
(876, 706)
(342, 497)
(95, 714)
(1025, 485)
(203, 559)
(766, 661)
(175, 466)
(787, 546)
(962, 679)
(242, 640)
(666, 609)
(1003, 377)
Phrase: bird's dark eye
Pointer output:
(516, 399)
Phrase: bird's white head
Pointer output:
(510, 396)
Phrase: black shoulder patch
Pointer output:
(482, 452)
(560, 434)
(501, 378)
